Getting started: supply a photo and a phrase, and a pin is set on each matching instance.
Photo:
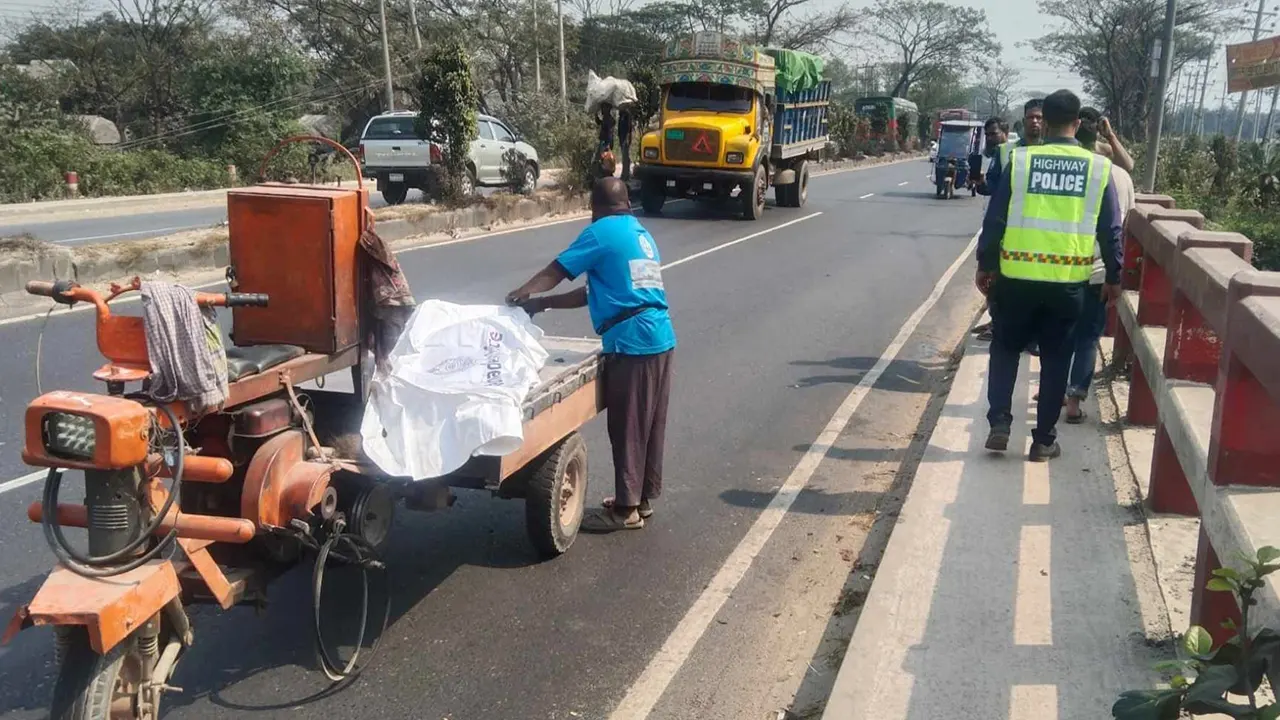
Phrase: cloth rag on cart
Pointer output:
(184, 346)
(454, 386)
(390, 302)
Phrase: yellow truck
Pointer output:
(734, 120)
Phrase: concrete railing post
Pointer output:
(1243, 447)
(1210, 609)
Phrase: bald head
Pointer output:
(609, 196)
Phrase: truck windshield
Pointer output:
(392, 128)
(709, 96)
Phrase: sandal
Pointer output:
(607, 521)
(1077, 418)
(645, 510)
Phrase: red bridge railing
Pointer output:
(1202, 327)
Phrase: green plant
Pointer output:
(1205, 678)
(449, 104)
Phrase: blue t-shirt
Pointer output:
(624, 271)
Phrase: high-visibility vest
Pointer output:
(1006, 149)
(1053, 213)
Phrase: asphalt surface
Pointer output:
(774, 333)
(147, 224)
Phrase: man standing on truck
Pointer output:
(628, 306)
(1055, 202)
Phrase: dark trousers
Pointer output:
(1093, 321)
(635, 395)
(1022, 312)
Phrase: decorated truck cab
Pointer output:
(734, 120)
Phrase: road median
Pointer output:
(23, 259)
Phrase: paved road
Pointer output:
(723, 607)
(146, 224)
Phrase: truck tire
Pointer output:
(783, 195)
(652, 196)
(800, 194)
(395, 193)
(556, 495)
(753, 199)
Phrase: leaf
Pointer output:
(1226, 572)
(1220, 585)
(1147, 705)
(1170, 666)
(1197, 642)
(1270, 712)
(1268, 554)
(1211, 684)
(1178, 682)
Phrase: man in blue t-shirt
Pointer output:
(628, 307)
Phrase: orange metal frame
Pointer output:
(280, 484)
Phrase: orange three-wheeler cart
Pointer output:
(181, 508)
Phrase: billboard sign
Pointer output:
(1253, 65)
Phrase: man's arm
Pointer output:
(545, 279)
(1120, 156)
(1110, 235)
(991, 180)
(575, 298)
(993, 225)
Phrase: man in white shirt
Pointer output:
(1093, 318)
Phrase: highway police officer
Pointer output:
(1036, 250)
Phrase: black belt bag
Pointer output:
(623, 316)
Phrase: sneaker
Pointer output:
(1045, 453)
(998, 439)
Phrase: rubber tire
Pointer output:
(395, 193)
(801, 195)
(751, 209)
(541, 504)
(652, 197)
(86, 680)
(469, 179)
(530, 181)
(784, 196)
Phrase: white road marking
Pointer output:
(1033, 600)
(22, 481)
(1033, 701)
(864, 197)
(904, 182)
(210, 226)
(663, 667)
(731, 243)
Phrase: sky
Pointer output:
(1016, 24)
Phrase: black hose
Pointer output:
(362, 556)
(96, 566)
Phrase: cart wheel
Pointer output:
(556, 495)
(88, 684)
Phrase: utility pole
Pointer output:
(1271, 116)
(537, 52)
(1257, 117)
(386, 56)
(413, 20)
(1188, 104)
(1244, 95)
(564, 83)
(1162, 85)
(1177, 94)
(1200, 112)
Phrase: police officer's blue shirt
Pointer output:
(1110, 231)
(624, 272)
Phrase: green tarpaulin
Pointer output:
(797, 71)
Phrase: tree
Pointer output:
(448, 100)
(996, 86)
(777, 24)
(1109, 44)
(924, 36)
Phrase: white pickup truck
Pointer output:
(393, 153)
